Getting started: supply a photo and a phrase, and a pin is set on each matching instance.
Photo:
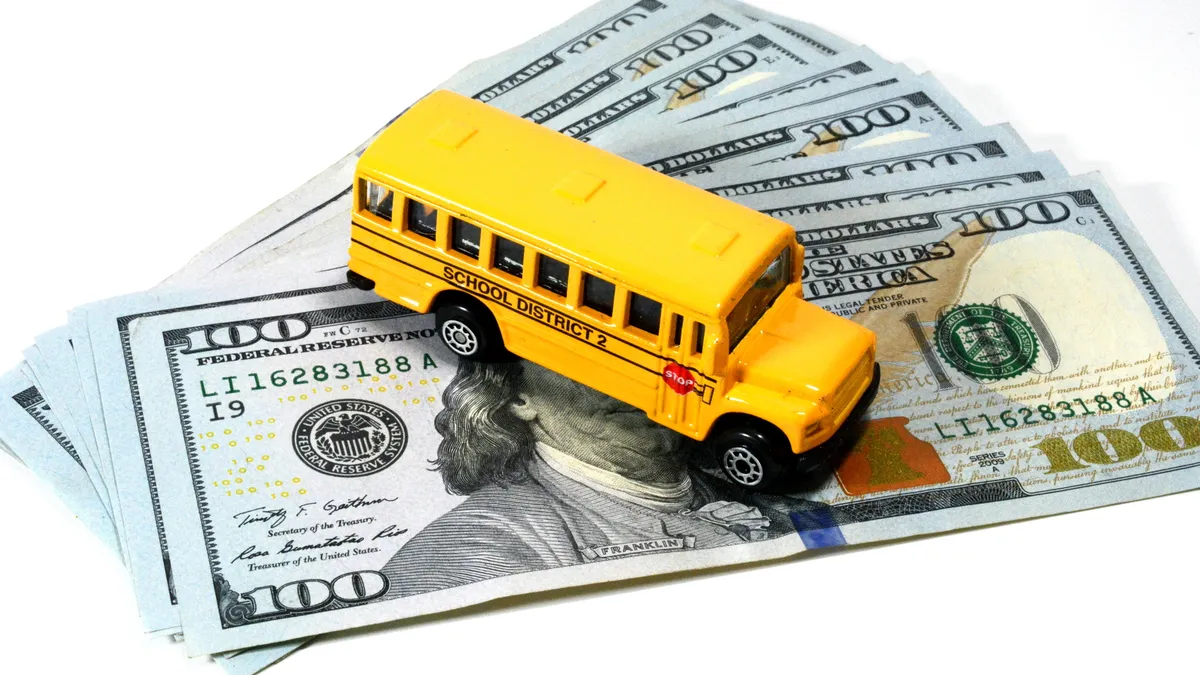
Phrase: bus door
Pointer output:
(682, 388)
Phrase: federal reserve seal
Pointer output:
(350, 438)
(986, 342)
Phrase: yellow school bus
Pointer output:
(661, 295)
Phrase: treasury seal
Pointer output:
(986, 342)
(349, 437)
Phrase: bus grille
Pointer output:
(845, 393)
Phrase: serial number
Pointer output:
(1042, 414)
(389, 368)
(320, 373)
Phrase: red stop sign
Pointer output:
(679, 379)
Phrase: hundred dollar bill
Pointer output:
(115, 394)
(903, 111)
(861, 66)
(321, 246)
(666, 39)
(56, 355)
(718, 69)
(350, 404)
(52, 369)
(794, 206)
(1009, 390)
(997, 142)
(29, 428)
(55, 352)
(1070, 414)
(815, 36)
(562, 47)
(289, 217)
(43, 444)
(53, 372)
(822, 94)
(89, 393)
(790, 101)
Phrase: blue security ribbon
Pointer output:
(818, 528)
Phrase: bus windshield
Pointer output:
(760, 296)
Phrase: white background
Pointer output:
(133, 135)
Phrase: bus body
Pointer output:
(661, 295)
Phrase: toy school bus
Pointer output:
(671, 299)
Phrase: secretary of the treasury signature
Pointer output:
(274, 518)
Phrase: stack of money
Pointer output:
(179, 424)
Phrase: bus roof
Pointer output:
(648, 231)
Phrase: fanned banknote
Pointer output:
(32, 432)
(718, 69)
(897, 112)
(793, 206)
(845, 73)
(865, 165)
(48, 365)
(560, 48)
(671, 36)
(254, 437)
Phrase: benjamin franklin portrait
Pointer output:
(556, 473)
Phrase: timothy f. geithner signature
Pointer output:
(273, 517)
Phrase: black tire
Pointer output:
(750, 456)
(359, 281)
(469, 330)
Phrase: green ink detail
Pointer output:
(986, 342)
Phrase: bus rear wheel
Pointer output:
(469, 330)
(749, 457)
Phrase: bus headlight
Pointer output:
(821, 413)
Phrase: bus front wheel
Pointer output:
(748, 456)
(359, 281)
(469, 330)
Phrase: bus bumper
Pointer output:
(828, 454)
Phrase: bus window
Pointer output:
(377, 200)
(598, 294)
(698, 346)
(644, 314)
(464, 238)
(422, 219)
(676, 331)
(508, 256)
(755, 302)
(552, 275)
